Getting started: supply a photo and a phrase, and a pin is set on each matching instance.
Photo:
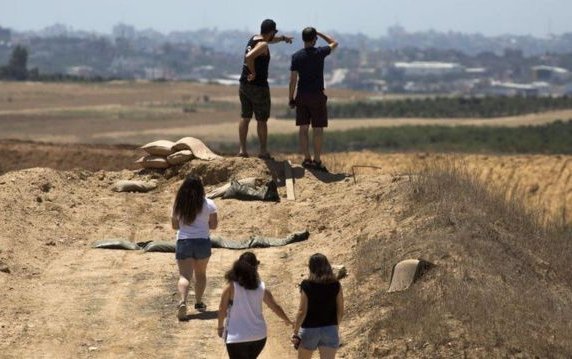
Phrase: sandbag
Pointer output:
(159, 148)
(406, 273)
(258, 241)
(161, 246)
(220, 242)
(134, 186)
(218, 192)
(197, 147)
(216, 242)
(268, 192)
(179, 157)
(115, 244)
(153, 162)
(265, 242)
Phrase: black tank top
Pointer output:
(260, 66)
(322, 307)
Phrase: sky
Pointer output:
(369, 17)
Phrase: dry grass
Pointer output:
(502, 285)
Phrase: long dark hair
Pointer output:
(244, 271)
(320, 269)
(190, 199)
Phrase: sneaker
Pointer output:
(182, 311)
(200, 306)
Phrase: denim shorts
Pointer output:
(312, 338)
(196, 248)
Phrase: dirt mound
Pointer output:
(51, 217)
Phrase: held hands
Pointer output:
(295, 340)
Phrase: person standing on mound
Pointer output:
(320, 312)
(306, 93)
(254, 91)
(193, 216)
(241, 306)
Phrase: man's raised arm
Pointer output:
(332, 43)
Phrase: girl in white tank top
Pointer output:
(240, 320)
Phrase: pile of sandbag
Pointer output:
(164, 153)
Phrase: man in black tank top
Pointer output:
(254, 92)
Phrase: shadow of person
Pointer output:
(277, 171)
(328, 177)
(208, 315)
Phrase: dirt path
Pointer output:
(121, 304)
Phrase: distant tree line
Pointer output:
(17, 70)
(553, 138)
(445, 107)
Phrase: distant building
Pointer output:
(122, 31)
(568, 89)
(159, 73)
(337, 77)
(550, 73)
(534, 89)
(81, 71)
(5, 35)
(374, 85)
(426, 68)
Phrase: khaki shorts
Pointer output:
(254, 100)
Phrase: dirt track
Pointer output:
(66, 300)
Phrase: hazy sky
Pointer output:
(371, 17)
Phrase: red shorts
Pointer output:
(311, 109)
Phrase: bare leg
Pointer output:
(318, 135)
(327, 353)
(262, 128)
(304, 353)
(185, 275)
(243, 134)
(200, 268)
(303, 138)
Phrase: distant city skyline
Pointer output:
(370, 17)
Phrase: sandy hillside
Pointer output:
(63, 299)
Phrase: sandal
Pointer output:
(182, 311)
(320, 166)
(308, 163)
(200, 306)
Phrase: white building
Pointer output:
(515, 89)
(426, 68)
(81, 71)
(550, 73)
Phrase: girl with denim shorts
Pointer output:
(193, 217)
(320, 312)
(240, 320)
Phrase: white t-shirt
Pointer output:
(245, 320)
(200, 226)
